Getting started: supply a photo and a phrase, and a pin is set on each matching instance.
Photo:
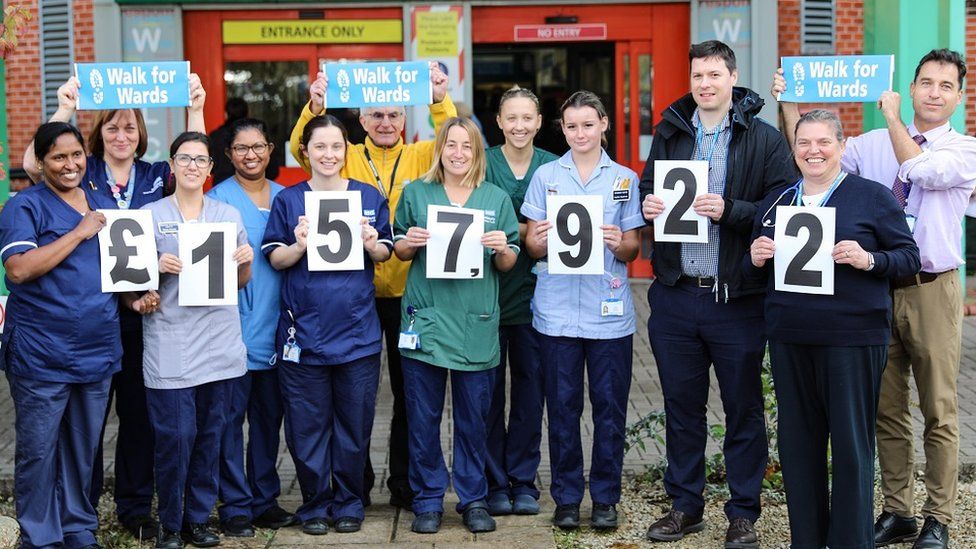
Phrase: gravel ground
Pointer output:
(642, 504)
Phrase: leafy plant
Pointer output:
(15, 16)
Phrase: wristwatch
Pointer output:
(870, 262)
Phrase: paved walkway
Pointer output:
(384, 524)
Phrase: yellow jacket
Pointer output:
(415, 159)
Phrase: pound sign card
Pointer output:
(377, 84)
(837, 79)
(133, 85)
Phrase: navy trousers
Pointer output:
(57, 427)
(188, 425)
(689, 331)
(513, 454)
(251, 491)
(828, 394)
(328, 420)
(134, 441)
(425, 386)
(608, 365)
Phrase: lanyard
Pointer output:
(376, 174)
(197, 220)
(833, 186)
(700, 142)
(117, 191)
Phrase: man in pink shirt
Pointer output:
(931, 169)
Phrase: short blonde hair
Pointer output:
(476, 174)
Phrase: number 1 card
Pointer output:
(209, 275)
(677, 183)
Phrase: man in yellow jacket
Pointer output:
(388, 163)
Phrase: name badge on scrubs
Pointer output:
(168, 227)
(410, 339)
(612, 306)
(291, 351)
(621, 189)
(911, 222)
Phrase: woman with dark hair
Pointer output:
(454, 324)
(329, 338)
(60, 345)
(192, 355)
(117, 143)
(250, 498)
(513, 452)
(595, 329)
(828, 351)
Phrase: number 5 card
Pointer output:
(209, 275)
(128, 251)
(677, 183)
(335, 236)
(804, 240)
(575, 243)
(454, 249)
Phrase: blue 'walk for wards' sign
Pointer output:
(837, 79)
(377, 84)
(133, 85)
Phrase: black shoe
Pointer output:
(499, 504)
(477, 519)
(167, 539)
(566, 517)
(275, 517)
(401, 496)
(316, 527)
(891, 528)
(741, 534)
(347, 525)
(200, 535)
(426, 523)
(674, 526)
(237, 527)
(604, 517)
(934, 535)
(142, 527)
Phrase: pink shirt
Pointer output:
(942, 178)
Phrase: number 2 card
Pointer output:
(677, 183)
(804, 240)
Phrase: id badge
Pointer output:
(409, 340)
(612, 307)
(911, 222)
(291, 352)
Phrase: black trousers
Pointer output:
(388, 309)
(828, 395)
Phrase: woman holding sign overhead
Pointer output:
(459, 234)
(513, 453)
(828, 345)
(193, 346)
(60, 345)
(328, 337)
(584, 318)
(116, 144)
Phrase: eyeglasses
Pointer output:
(379, 116)
(258, 148)
(183, 160)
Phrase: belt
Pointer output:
(917, 279)
(700, 281)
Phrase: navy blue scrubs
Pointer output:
(134, 442)
(330, 394)
(60, 348)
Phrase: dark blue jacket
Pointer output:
(859, 312)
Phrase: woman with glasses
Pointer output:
(828, 351)
(250, 498)
(115, 169)
(192, 355)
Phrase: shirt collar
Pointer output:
(697, 123)
(566, 160)
(375, 151)
(933, 134)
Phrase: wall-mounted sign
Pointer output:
(560, 33)
(349, 31)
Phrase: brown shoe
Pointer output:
(674, 525)
(741, 534)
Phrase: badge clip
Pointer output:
(291, 351)
(409, 339)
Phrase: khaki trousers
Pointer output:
(925, 342)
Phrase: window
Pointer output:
(817, 27)
(56, 50)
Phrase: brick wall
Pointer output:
(970, 103)
(849, 40)
(24, 108)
